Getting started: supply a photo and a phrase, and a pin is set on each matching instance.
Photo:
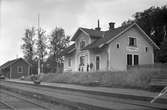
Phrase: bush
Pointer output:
(129, 79)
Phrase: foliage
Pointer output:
(58, 42)
(162, 53)
(130, 79)
(36, 47)
(28, 48)
(28, 45)
(154, 22)
(41, 44)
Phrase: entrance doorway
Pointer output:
(136, 59)
(132, 59)
(83, 63)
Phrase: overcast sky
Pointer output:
(17, 15)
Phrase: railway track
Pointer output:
(76, 94)
(5, 106)
(12, 101)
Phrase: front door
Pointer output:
(97, 63)
(129, 59)
(136, 59)
(83, 63)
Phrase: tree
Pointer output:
(28, 45)
(152, 21)
(28, 48)
(58, 42)
(41, 46)
(162, 53)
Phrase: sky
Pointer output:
(17, 15)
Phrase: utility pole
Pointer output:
(39, 63)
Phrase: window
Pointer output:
(82, 44)
(132, 41)
(20, 69)
(69, 62)
(129, 59)
(146, 49)
(82, 60)
(117, 45)
(97, 63)
(136, 59)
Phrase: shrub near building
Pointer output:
(130, 79)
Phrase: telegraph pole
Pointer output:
(39, 63)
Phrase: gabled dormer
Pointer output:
(84, 36)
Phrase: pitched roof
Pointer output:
(106, 37)
(90, 32)
(112, 34)
(7, 64)
(93, 33)
(68, 50)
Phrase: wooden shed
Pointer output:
(15, 68)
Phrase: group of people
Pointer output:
(88, 67)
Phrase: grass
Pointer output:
(129, 79)
(134, 78)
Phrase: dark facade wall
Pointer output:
(14, 72)
(6, 72)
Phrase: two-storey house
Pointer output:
(111, 50)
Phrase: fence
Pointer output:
(157, 66)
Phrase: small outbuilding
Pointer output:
(15, 68)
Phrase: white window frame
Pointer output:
(117, 44)
(129, 41)
(18, 68)
(84, 59)
(80, 44)
(133, 59)
(146, 49)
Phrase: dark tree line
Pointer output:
(46, 48)
(154, 22)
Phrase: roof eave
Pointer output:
(5, 67)
(134, 24)
(152, 42)
(72, 50)
(75, 35)
(120, 34)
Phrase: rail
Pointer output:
(20, 98)
(7, 105)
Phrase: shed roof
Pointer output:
(8, 63)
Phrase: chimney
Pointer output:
(98, 28)
(111, 25)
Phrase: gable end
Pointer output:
(138, 27)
